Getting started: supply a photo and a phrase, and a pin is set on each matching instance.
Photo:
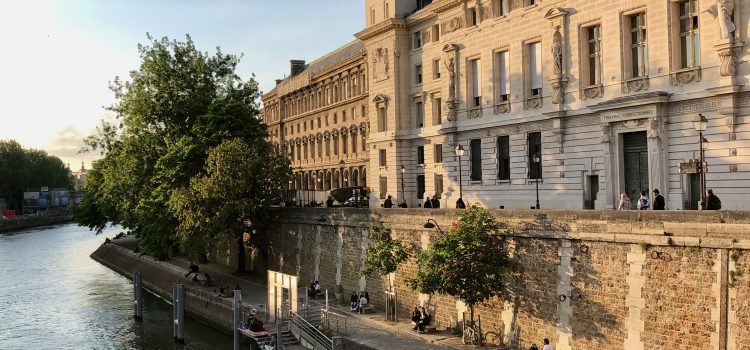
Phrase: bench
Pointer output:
(367, 309)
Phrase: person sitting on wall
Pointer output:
(228, 292)
(311, 290)
(424, 321)
(388, 203)
(427, 203)
(329, 202)
(317, 288)
(207, 282)
(416, 316)
(362, 303)
(256, 325)
(403, 204)
(192, 269)
(435, 202)
(354, 301)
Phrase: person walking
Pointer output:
(388, 203)
(643, 201)
(460, 204)
(712, 201)
(624, 202)
(547, 346)
(435, 202)
(659, 203)
(427, 203)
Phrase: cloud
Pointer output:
(67, 144)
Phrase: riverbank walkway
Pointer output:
(369, 330)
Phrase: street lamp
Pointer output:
(289, 192)
(460, 151)
(403, 173)
(431, 223)
(538, 161)
(700, 124)
(341, 173)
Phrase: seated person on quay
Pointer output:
(363, 300)
(416, 316)
(354, 301)
(423, 322)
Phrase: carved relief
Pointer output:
(592, 92)
(635, 85)
(686, 76)
(694, 106)
(451, 25)
(730, 55)
(502, 108)
(426, 36)
(474, 113)
(452, 110)
(557, 52)
(484, 12)
(532, 103)
(723, 11)
(450, 65)
(654, 131)
(380, 65)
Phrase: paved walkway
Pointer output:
(370, 330)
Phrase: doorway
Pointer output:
(635, 155)
(695, 191)
(593, 190)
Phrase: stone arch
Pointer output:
(355, 177)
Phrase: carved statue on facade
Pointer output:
(653, 129)
(606, 134)
(450, 65)
(557, 52)
(380, 63)
(723, 10)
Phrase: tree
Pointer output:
(177, 106)
(384, 254)
(241, 182)
(469, 262)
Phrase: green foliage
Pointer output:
(177, 106)
(238, 186)
(24, 169)
(469, 262)
(384, 254)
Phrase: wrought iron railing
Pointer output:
(308, 335)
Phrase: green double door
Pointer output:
(635, 154)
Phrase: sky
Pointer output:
(57, 57)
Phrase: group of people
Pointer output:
(227, 292)
(358, 303)
(314, 289)
(254, 324)
(433, 203)
(547, 345)
(712, 201)
(420, 319)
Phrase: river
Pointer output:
(53, 296)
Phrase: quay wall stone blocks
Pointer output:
(586, 279)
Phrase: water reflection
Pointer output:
(53, 296)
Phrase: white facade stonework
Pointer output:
(611, 87)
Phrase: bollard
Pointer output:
(326, 300)
(137, 295)
(237, 318)
(178, 311)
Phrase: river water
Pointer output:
(53, 296)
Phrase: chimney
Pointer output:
(278, 81)
(297, 66)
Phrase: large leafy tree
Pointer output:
(469, 262)
(24, 169)
(177, 106)
(240, 182)
(384, 254)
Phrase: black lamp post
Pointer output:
(700, 124)
(537, 159)
(431, 223)
(460, 151)
(341, 173)
(403, 191)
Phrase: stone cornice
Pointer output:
(420, 18)
(446, 5)
(339, 65)
(381, 28)
(632, 100)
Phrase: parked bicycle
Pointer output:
(473, 335)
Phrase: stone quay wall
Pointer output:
(26, 222)
(588, 279)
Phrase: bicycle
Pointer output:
(491, 335)
(473, 335)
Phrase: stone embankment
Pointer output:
(26, 222)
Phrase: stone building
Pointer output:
(318, 116)
(584, 99)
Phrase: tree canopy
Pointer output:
(23, 169)
(470, 261)
(384, 254)
(177, 106)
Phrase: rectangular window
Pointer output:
(594, 55)
(381, 157)
(501, 8)
(320, 148)
(438, 153)
(535, 155)
(435, 33)
(420, 186)
(418, 74)
(417, 39)
(383, 187)
(385, 11)
(372, 15)
(336, 146)
(328, 147)
(354, 113)
(689, 34)
(476, 159)
(419, 113)
(535, 69)
(503, 158)
(638, 49)
(437, 111)
(382, 119)
(473, 17)
(476, 81)
(420, 155)
(438, 186)
(532, 2)
(503, 79)
(436, 69)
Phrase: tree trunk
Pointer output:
(241, 253)
(471, 311)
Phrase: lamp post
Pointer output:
(538, 162)
(460, 151)
(341, 173)
(431, 223)
(700, 124)
(289, 192)
(403, 173)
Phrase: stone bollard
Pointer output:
(137, 295)
(178, 311)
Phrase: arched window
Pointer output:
(354, 143)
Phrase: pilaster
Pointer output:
(635, 301)
(564, 288)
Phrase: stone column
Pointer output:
(609, 190)
(635, 300)
(564, 311)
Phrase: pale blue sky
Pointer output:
(57, 57)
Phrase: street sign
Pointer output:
(45, 188)
(692, 167)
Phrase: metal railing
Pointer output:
(331, 321)
(308, 335)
